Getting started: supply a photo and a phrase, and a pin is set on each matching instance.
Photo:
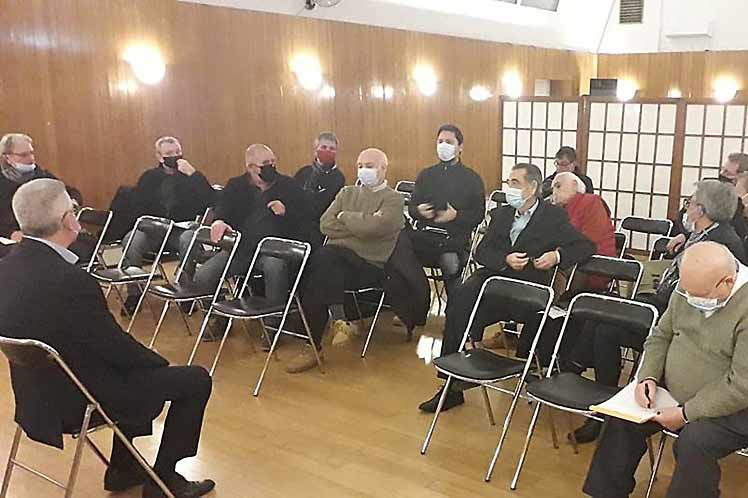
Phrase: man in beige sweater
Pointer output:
(362, 226)
(699, 352)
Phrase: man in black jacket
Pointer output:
(566, 160)
(260, 203)
(18, 166)
(451, 197)
(131, 382)
(175, 190)
(321, 182)
(525, 240)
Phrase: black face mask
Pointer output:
(268, 173)
(171, 161)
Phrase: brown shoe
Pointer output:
(304, 361)
(341, 332)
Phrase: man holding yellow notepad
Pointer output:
(699, 353)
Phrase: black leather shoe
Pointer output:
(588, 432)
(116, 479)
(450, 401)
(180, 487)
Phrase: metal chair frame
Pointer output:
(293, 303)
(550, 373)
(92, 407)
(82, 216)
(624, 221)
(489, 384)
(201, 236)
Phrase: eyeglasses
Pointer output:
(562, 163)
(25, 155)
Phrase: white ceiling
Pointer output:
(587, 25)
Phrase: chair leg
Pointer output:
(160, 322)
(274, 344)
(11, 461)
(530, 431)
(504, 429)
(573, 436)
(360, 318)
(199, 336)
(184, 318)
(97, 452)
(139, 458)
(487, 402)
(79, 452)
(430, 432)
(135, 313)
(373, 324)
(309, 335)
(220, 346)
(554, 434)
(656, 464)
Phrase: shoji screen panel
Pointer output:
(534, 129)
(629, 157)
(713, 131)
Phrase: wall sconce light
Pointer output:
(146, 63)
(512, 84)
(725, 89)
(674, 93)
(626, 90)
(425, 80)
(480, 93)
(308, 71)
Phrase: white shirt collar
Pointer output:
(379, 187)
(64, 252)
(529, 212)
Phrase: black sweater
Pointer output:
(320, 187)
(457, 185)
(243, 206)
(549, 229)
(192, 195)
(8, 223)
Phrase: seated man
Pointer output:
(260, 203)
(130, 381)
(174, 189)
(566, 160)
(699, 352)
(590, 216)
(708, 216)
(362, 225)
(525, 240)
(449, 196)
(321, 182)
(17, 166)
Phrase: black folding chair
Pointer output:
(486, 368)
(36, 359)
(96, 222)
(114, 278)
(617, 270)
(406, 189)
(622, 242)
(647, 226)
(244, 306)
(659, 249)
(356, 295)
(183, 290)
(573, 393)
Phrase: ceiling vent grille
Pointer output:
(631, 12)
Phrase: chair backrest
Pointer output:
(622, 241)
(616, 269)
(633, 316)
(159, 228)
(647, 225)
(499, 197)
(659, 249)
(514, 294)
(28, 353)
(99, 220)
(405, 187)
(228, 243)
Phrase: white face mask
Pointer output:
(368, 176)
(24, 168)
(514, 197)
(446, 151)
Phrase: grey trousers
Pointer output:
(699, 448)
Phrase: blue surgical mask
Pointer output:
(514, 197)
(703, 304)
(24, 168)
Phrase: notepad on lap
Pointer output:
(623, 405)
(6, 242)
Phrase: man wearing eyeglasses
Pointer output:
(18, 166)
(566, 160)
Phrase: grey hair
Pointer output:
(40, 205)
(10, 139)
(532, 174)
(581, 187)
(167, 140)
(328, 136)
(718, 200)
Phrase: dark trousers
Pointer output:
(600, 346)
(188, 389)
(448, 254)
(698, 450)
(330, 272)
(549, 337)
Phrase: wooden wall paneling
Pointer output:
(676, 170)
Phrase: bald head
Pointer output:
(566, 186)
(708, 270)
(372, 159)
(257, 156)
